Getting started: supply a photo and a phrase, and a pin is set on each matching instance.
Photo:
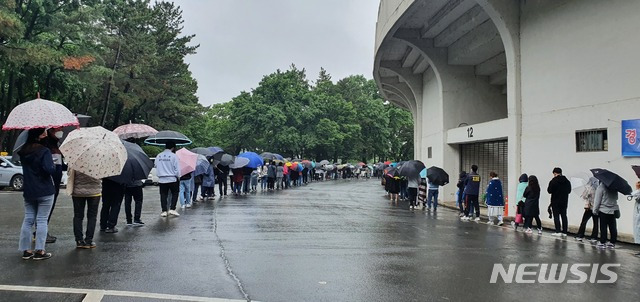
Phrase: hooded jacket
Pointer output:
(167, 167)
(559, 188)
(494, 193)
(37, 169)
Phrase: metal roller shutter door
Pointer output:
(488, 156)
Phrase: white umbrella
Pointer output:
(94, 151)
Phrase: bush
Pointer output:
(152, 151)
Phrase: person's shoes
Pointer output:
(490, 222)
(514, 226)
(556, 234)
(477, 219)
(26, 255)
(529, 231)
(173, 213)
(163, 214)
(138, 223)
(41, 255)
(102, 230)
(564, 235)
(610, 245)
(80, 244)
(188, 205)
(129, 223)
(111, 230)
(183, 206)
(89, 244)
(579, 239)
(500, 223)
(51, 239)
(464, 218)
(593, 241)
(539, 231)
(601, 245)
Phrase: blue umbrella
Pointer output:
(423, 173)
(202, 165)
(255, 160)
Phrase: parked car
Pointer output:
(10, 173)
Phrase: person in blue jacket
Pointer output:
(38, 192)
(494, 199)
(471, 193)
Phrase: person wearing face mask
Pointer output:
(52, 142)
(38, 191)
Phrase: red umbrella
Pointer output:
(40, 113)
(386, 163)
(134, 131)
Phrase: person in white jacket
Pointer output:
(168, 171)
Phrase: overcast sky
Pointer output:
(242, 40)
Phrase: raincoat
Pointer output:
(208, 179)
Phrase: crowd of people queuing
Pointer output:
(600, 203)
(43, 168)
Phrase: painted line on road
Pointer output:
(94, 295)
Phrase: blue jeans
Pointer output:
(263, 182)
(237, 188)
(36, 212)
(433, 194)
(185, 192)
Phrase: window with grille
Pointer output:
(488, 156)
(591, 140)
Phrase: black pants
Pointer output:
(92, 204)
(134, 193)
(222, 182)
(413, 194)
(608, 221)
(194, 194)
(588, 214)
(174, 188)
(112, 194)
(471, 203)
(271, 183)
(528, 221)
(560, 212)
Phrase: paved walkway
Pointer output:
(329, 241)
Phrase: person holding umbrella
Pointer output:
(588, 195)
(85, 191)
(168, 170)
(606, 207)
(272, 172)
(279, 175)
(52, 141)
(38, 191)
(222, 175)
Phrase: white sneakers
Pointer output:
(556, 234)
(172, 213)
(464, 218)
(500, 222)
(188, 205)
(539, 231)
(529, 231)
(477, 219)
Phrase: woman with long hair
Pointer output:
(532, 205)
(38, 191)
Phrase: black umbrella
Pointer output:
(637, 170)
(393, 172)
(411, 169)
(163, 137)
(268, 156)
(137, 167)
(612, 180)
(203, 151)
(324, 162)
(437, 176)
(223, 159)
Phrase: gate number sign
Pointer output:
(630, 141)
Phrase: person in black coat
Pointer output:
(559, 188)
(532, 205)
(461, 180)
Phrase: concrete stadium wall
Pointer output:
(580, 70)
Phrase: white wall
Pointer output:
(580, 70)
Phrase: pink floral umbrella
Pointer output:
(187, 161)
(40, 113)
(134, 131)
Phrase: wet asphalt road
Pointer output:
(330, 241)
